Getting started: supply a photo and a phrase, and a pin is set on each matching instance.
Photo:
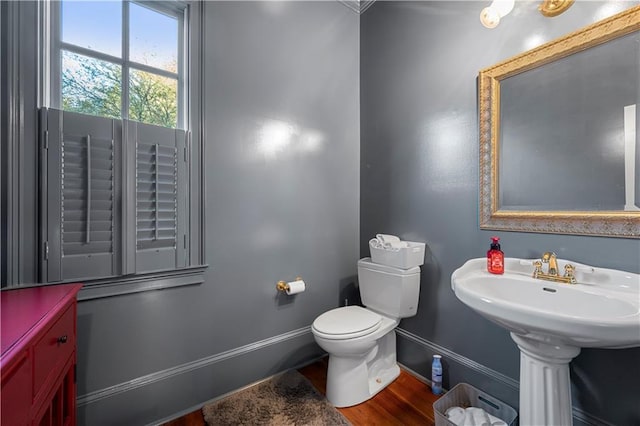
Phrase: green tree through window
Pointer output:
(91, 86)
(153, 99)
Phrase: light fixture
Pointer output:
(551, 8)
(491, 15)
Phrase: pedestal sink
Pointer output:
(550, 322)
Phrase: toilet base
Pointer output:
(353, 380)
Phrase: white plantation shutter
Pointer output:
(157, 161)
(82, 196)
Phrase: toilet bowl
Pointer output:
(361, 341)
(362, 357)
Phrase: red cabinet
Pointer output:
(37, 366)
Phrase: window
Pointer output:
(118, 175)
(120, 59)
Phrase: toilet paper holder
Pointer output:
(284, 286)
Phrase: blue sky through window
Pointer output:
(153, 38)
(97, 25)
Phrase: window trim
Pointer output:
(192, 63)
(129, 284)
(30, 60)
(101, 288)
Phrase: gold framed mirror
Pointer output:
(559, 150)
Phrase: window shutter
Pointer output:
(82, 196)
(158, 212)
(156, 192)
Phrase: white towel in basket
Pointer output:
(387, 242)
(384, 238)
(472, 416)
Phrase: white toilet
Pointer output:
(361, 342)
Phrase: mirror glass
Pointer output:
(562, 132)
(559, 150)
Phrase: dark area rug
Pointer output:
(287, 399)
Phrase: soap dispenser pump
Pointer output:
(495, 257)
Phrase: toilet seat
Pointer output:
(346, 323)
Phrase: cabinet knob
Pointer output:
(62, 339)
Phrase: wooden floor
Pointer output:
(406, 401)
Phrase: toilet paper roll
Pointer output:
(295, 287)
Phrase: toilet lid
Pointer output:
(347, 322)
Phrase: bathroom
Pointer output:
(321, 127)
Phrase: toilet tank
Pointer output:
(388, 290)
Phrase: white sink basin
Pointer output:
(601, 310)
(550, 322)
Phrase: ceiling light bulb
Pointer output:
(503, 7)
(489, 17)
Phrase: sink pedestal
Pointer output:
(545, 387)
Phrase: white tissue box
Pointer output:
(464, 395)
(403, 258)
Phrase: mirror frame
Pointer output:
(622, 224)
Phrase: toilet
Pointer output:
(361, 342)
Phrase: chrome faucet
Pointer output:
(552, 271)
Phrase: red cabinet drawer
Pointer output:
(16, 394)
(53, 350)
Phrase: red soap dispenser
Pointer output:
(495, 257)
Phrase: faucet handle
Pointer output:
(538, 268)
(569, 270)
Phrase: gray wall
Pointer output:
(276, 209)
(274, 73)
(282, 189)
(419, 180)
